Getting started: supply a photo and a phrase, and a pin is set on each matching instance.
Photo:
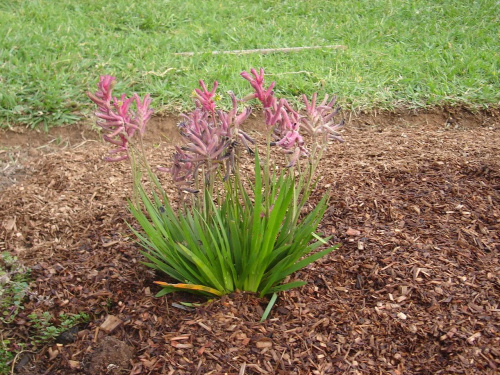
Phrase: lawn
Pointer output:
(398, 53)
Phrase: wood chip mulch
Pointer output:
(413, 289)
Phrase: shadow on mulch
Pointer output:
(414, 288)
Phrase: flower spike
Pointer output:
(205, 97)
(116, 118)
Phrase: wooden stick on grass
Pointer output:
(262, 50)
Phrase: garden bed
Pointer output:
(414, 287)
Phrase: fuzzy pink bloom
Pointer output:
(320, 120)
(115, 116)
(205, 148)
(211, 136)
(206, 141)
(102, 97)
(205, 97)
(231, 121)
(232, 118)
(257, 82)
(143, 113)
(182, 169)
(291, 141)
(272, 114)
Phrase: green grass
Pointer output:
(413, 53)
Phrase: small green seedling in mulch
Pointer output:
(45, 328)
(14, 288)
(14, 285)
(6, 356)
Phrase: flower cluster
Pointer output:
(210, 139)
(285, 122)
(320, 120)
(211, 134)
(115, 116)
(205, 97)
(265, 96)
(279, 115)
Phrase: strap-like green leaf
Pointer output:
(270, 305)
(203, 268)
(283, 287)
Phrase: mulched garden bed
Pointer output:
(413, 289)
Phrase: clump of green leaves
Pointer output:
(14, 285)
(7, 355)
(44, 328)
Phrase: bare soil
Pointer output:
(413, 289)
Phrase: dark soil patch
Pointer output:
(414, 288)
(112, 356)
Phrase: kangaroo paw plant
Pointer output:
(237, 230)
